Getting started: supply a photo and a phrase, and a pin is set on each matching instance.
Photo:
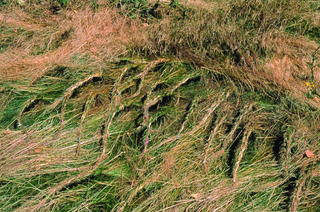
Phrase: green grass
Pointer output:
(189, 120)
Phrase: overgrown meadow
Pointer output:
(132, 105)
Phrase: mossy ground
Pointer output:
(159, 106)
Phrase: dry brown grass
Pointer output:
(288, 67)
(221, 134)
(103, 35)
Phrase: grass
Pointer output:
(159, 106)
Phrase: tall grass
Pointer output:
(159, 106)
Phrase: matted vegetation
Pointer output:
(159, 106)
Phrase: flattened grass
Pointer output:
(213, 118)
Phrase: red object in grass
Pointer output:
(309, 154)
(37, 151)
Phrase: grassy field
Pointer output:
(133, 105)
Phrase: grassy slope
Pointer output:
(190, 106)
